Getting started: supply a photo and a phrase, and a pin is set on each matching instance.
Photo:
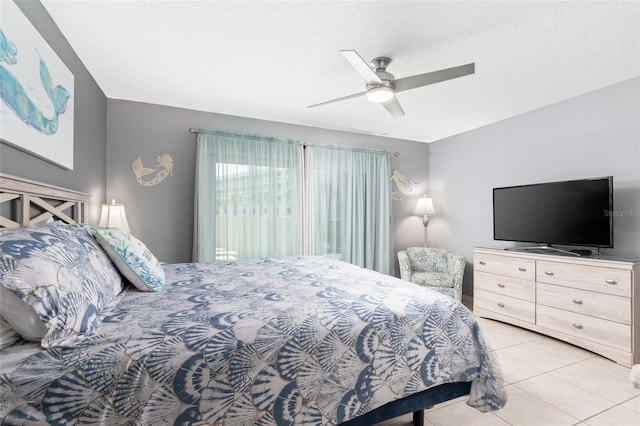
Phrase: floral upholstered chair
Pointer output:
(434, 268)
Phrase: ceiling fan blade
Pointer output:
(394, 108)
(344, 98)
(361, 67)
(408, 83)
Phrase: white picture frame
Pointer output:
(37, 105)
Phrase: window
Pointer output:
(347, 211)
(238, 174)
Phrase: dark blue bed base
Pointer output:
(424, 399)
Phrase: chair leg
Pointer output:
(418, 418)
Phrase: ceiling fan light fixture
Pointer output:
(380, 94)
(382, 85)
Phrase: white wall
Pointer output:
(596, 134)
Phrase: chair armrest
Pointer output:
(405, 265)
(456, 269)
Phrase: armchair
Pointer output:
(434, 268)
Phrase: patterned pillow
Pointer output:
(63, 275)
(427, 259)
(132, 258)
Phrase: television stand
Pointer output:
(590, 302)
(543, 247)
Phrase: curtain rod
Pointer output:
(194, 131)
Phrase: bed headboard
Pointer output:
(25, 202)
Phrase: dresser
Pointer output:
(590, 302)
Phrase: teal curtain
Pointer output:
(265, 197)
(248, 197)
(349, 193)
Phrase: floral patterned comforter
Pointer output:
(303, 340)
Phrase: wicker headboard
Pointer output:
(25, 202)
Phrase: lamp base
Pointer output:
(425, 222)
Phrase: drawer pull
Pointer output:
(548, 273)
(577, 325)
(612, 282)
(521, 269)
(577, 301)
(501, 304)
(500, 285)
(482, 262)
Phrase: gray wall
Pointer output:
(90, 127)
(596, 134)
(162, 215)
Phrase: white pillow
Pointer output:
(132, 258)
(21, 316)
(8, 336)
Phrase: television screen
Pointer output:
(574, 213)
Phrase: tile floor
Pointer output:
(548, 383)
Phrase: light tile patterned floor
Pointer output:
(548, 382)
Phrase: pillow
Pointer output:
(8, 336)
(132, 258)
(20, 316)
(427, 259)
(62, 275)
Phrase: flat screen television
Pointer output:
(572, 213)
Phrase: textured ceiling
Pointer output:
(269, 60)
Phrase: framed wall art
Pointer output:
(36, 90)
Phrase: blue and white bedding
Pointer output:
(303, 340)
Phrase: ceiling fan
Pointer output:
(382, 85)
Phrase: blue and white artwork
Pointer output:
(36, 91)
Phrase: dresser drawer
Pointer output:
(507, 286)
(597, 330)
(593, 278)
(605, 306)
(509, 306)
(505, 265)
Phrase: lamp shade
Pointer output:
(113, 216)
(424, 206)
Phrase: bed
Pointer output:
(287, 341)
